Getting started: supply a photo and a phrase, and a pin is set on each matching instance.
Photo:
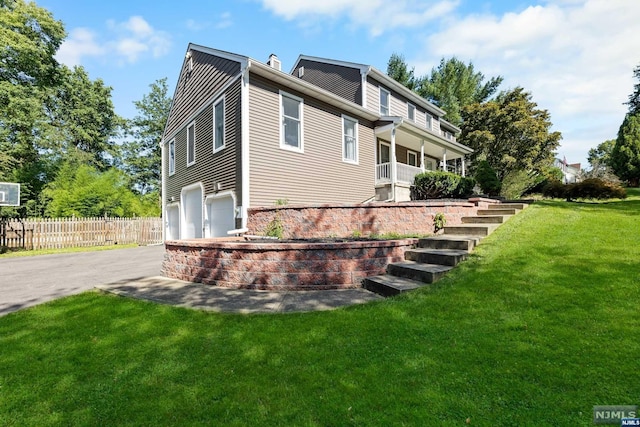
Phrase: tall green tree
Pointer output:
(600, 156)
(398, 70)
(625, 156)
(84, 122)
(29, 39)
(81, 190)
(510, 133)
(634, 98)
(141, 154)
(454, 85)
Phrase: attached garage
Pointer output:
(173, 222)
(220, 214)
(191, 224)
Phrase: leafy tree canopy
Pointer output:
(83, 191)
(141, 154)
(454, 85)
(510, 133)
(634, 98)
(398, 70)
(625, 156)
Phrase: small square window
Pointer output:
(412, 158)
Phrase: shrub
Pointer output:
(592, 188)
(595, 188)
(487, 179)
(439, 185)
(554, 190)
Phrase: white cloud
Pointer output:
(80, 43)
(224, 21)
(124, 42)
(378, 16)
(576, 57)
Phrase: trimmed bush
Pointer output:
(592, 188)
(595, 188)
(440, 185)
(487, 179)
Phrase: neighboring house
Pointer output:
(242, 134)
(571, 171)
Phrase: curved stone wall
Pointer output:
(281, 265)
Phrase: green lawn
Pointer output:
(22, 253)
(539, 325)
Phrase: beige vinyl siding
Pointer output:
(421, 119)
(196, 87)
(345, 82)
(397, 106)
(316, 176)
(210, 168)
(436, 125)
(373, 96)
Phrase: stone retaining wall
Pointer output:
(362, 219)
(279, 265)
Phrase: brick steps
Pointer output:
(437, 255)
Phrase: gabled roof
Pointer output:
(381, 77)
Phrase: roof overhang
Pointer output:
(417, 133)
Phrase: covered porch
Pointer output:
(404, 150)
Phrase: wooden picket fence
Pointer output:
(55, 233)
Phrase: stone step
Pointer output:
(487, 219)
(387, 285)
(481, 230)
(443, 241)
(518, 206)
(427, 273)
(450, 257)
(492, 212)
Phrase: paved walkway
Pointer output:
(193, 295)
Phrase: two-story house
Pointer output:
(242, 133)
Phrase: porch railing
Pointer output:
(406, 173)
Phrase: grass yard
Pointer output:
(539, 325)
(23, 253)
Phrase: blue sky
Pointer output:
(575, 56)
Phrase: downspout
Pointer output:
(394, 166)
(163, 193)
(244, 146)
(422, 155)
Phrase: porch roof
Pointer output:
(409, 135)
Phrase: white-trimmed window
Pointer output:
(172, 157)
(218, 125)
(411, 112)
(429, 121)
(385, 96)
(349, 139)
(291, 122)
(412, 158)
(191, 144)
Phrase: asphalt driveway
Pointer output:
(27, 281)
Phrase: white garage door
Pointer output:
(192, 205)
(221, 216)
(173, 223)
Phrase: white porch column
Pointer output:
(444, 159)
(464, 169)
(422, 155)
(394, 166)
